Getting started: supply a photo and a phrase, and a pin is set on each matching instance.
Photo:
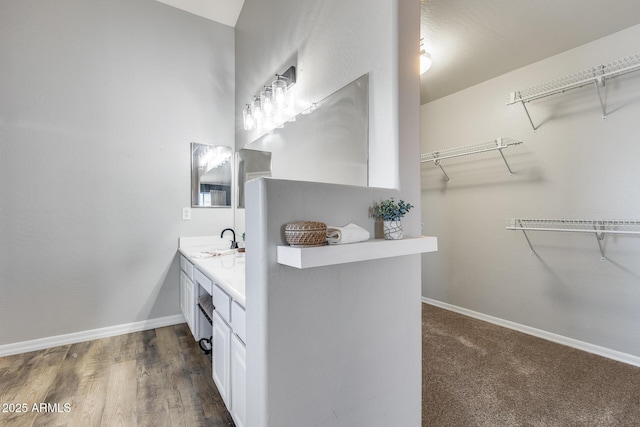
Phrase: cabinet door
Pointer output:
(192, 306)
(220, 353)
(186, 291)
(238, 381)
(188, 302)
(182, 295)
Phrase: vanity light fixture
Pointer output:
(425, 58)
(271, 105)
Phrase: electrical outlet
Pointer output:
(186, 213)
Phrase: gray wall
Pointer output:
(99, 101)
(576, 166)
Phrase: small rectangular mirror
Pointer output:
(210, 176)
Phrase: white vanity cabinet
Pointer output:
(228, 357)
(227, 346)
(222, 278)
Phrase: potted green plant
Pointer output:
(391, 213)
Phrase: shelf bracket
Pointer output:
(528, 116)
(505, 159)
(600, 81)
(533, 251)
(599, 239)
(437, 163)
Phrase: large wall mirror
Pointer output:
(329, 142)
(210, 176)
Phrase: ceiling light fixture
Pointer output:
(425, 58)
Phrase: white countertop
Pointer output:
(226, 271)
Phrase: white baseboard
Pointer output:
(111, 331)
(580, 345)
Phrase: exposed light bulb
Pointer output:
(256, 109)
(425, 62)
(278, 93)
(249, 121)
(279, 89)
(267, 102)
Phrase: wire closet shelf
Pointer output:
(599, 227)
(498, 144)
(592, 76)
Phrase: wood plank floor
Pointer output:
(153, 378)
(161, 378)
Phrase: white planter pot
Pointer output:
(392, 230)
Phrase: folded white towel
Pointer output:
(350, 233)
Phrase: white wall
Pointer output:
(99, 101)
(576, 166)
(338, 345)
(334, 42)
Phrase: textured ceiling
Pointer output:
(471, 41)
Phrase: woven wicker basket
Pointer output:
(306, 234)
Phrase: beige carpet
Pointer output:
(479, 374)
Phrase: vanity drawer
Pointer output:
(203, 281)
(221, 303)
(186, 266)
(238, 321)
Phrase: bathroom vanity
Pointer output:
(208, 268)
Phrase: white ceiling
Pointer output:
(471, 41)
(223, 11)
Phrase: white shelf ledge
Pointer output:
(595, 75)
(599, 227)
(354, 252)
(499, 144)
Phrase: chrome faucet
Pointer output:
(234, 244)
